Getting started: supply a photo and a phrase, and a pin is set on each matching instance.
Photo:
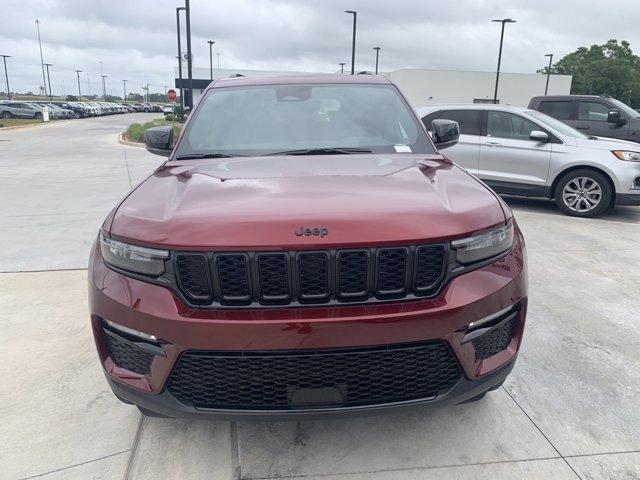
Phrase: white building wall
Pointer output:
(431, 87)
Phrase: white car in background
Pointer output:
(518, 151)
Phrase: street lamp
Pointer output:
(179, 57)
(6, 75)
(377, 49)
(211, 42)
(104, 88)
(78, 72)
(550, 55)
(189, 53)
(342, 64)
(44, 82)
(353, 40)
(49, 79)
(124, 90)
(503, 21)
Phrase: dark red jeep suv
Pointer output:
(306, 250)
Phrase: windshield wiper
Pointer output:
(191, 156)
(322, 151)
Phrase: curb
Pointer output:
(19, 127)
(122, 141)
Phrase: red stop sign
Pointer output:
(171, 95)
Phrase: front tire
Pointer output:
(6, 115)
(37, 116)
(583, 193)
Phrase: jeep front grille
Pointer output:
(310, 277)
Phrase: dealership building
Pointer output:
(431, 87)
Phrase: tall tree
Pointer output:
(608, 69)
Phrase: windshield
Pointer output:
(626, 109)
(556, 124)
(259, 120)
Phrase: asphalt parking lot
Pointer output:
(570, 409)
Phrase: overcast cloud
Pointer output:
(135, 39)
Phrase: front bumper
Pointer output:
(628, 199)
(156, 311)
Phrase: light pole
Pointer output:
(78, 72)
(104, 88)
(44, 82)
(550, 55)
(179, 57)
(211, 42)
(189, 58)
(503, 21)
(342, 64)
(124, 90)
(6, 75)
(353, 40)
(49, 79)
(377, 49)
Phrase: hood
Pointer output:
(261, 202)
(605, 143)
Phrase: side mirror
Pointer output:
(539, 136)
(445, 133)
(616, 117)
(159, 140)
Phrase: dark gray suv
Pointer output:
(593, 115)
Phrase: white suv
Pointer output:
(518, 151)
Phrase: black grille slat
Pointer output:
(233, 275)
(392, 267)
(313, 275)
(194, 278)
(310, 277)
(429, 266)
(127, 356)
(495, 340)
(273, 276)
(269, 380)
(353, 268)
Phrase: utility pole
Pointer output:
(377, 49)
(342, 64)
(6, 75)
(49, 79)
(179, 57)
(190, 56)
(503, 21)
(124, 90)
(218, 54)
(88, 84)
(44, 82)
(78, 72)
(550, 55)
(211, 42)
(353, 40)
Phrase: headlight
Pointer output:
(133, 258)
(627, 155)
(485, 245)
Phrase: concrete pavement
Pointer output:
(568, 411)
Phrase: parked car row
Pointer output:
(63, 110)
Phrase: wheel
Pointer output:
(150, 413)
(37, 115)
(6, 115)
(583, 193)
(475, 399)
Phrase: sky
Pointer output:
(136, 39)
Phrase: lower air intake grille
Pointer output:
(127, 356)
(495, 340)
(274, 380)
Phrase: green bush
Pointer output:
(135, 132)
